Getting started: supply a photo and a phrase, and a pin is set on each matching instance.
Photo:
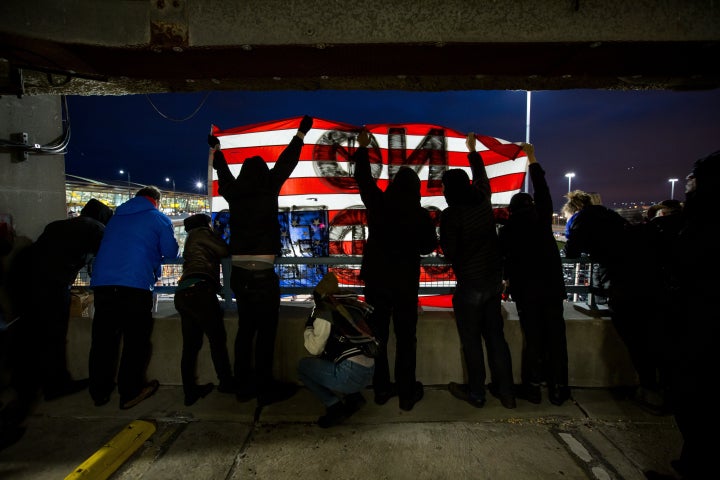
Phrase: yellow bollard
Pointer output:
(105, 461)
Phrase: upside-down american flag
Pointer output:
(321, 194)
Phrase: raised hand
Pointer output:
(305, 124)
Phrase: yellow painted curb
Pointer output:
(105, 461)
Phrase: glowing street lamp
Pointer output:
(672, 187)
(126, 172)
(569, 177)
(199, 185)
(174, 200)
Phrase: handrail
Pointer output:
(579, 286)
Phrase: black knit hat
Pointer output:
(196, 221)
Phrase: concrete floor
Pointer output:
(600, 435)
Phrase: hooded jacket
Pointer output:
(467, 227)
(136, 240)
(253, 200)
(202, 255)
(531, 254)
(66, 246)
(399, 228)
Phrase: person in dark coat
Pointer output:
(619, 250)
(695, 326)
(399, 231)
(254, 244)
(534, 278)
(469, 240)
(55, 258)
(196, 300)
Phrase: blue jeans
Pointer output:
(324, 378)
(478, 316)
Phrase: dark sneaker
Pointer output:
(353, 402)
(462, 392)
(382, 396)
(277, 393)
(100, 400)
(506, 399)
(530, 392)
(334, 415)
(68, 388)
(228, 386)
(245, 393)
(197, 392)
(148, 391)
(407, 404)
(558, 394)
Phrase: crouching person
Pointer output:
(338, 335)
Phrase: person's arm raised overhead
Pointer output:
(288, 159)
(480, 179)
(370, 193)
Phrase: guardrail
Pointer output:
(299, 275)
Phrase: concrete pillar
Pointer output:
(32, 190)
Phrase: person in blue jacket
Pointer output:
(126, 268)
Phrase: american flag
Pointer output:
(323, 180)
(323, 176)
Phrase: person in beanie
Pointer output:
(534, 279)
(196, 299)
(137, 239)
(255, 241)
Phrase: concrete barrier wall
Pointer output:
(597, 357)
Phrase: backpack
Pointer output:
(348, 316)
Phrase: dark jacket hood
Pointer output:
(97, 210)
(458, 189)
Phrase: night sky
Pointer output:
(623, 145)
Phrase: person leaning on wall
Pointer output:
(137, 239)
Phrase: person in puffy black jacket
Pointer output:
(399, 231)
(196, 299)
(533, 272)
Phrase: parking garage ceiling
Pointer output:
(118, 48)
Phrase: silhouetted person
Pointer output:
(62, 249)
(399, 231)
(619, 250)
(254, 244)
(126, 268)
(534, 275)
(695, 327)
(196, 299)
(469, 240)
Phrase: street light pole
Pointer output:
(127, 172)
(672, 188)
(168, 179)
(569, 177)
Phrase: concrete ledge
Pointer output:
(597, 356)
